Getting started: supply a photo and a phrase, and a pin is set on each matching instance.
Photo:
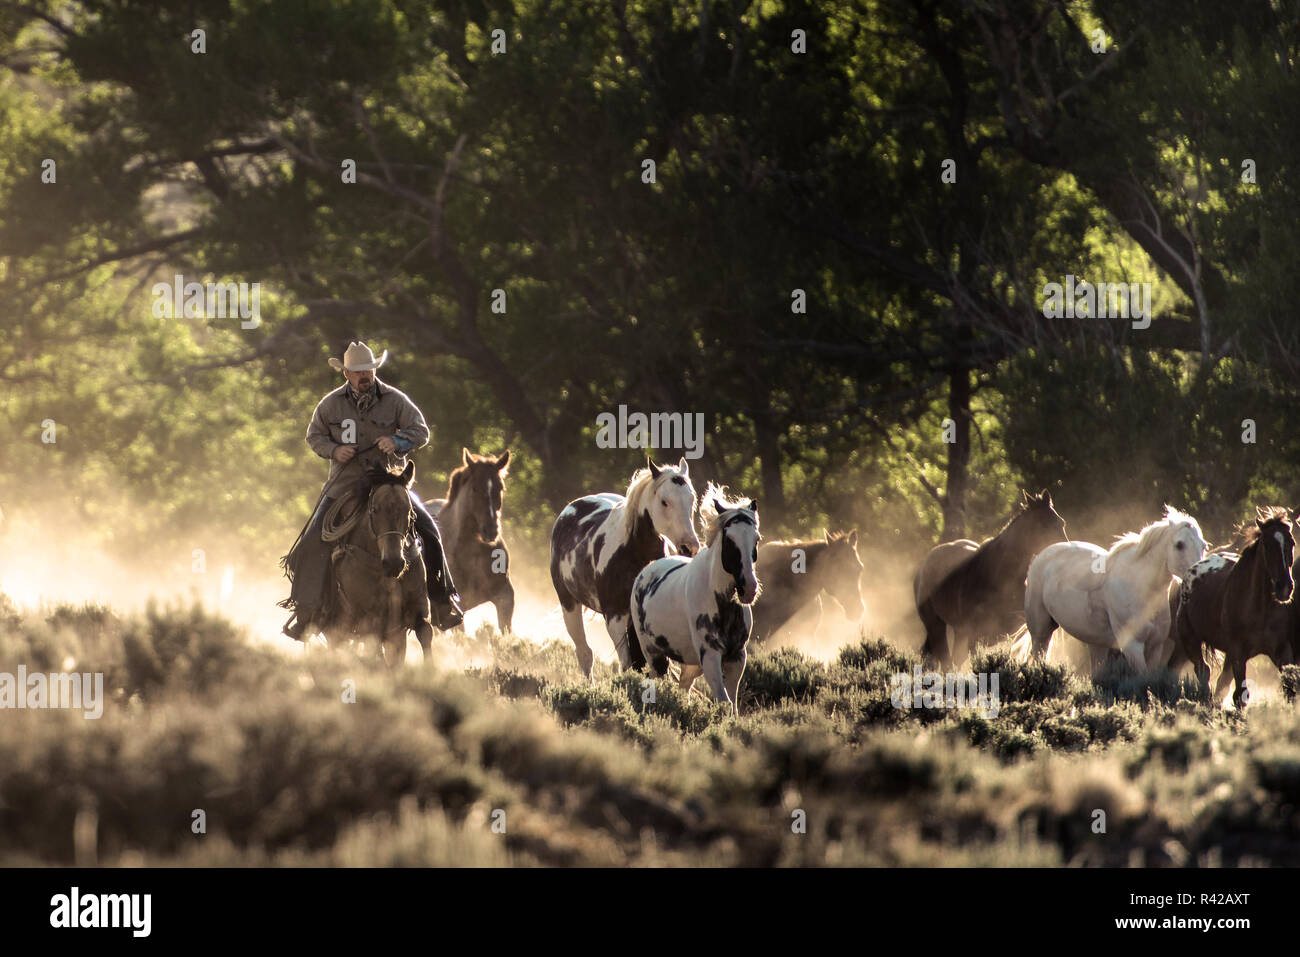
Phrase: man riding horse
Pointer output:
(362, 414)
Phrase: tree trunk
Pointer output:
(954, 499)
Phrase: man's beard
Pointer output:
(365, 399)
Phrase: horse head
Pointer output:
(1186, 546)
(391, 516)
(844, 572)
(1038, 524)
(1277, 548)
(733, 528)
(482, 477)
(665, 493)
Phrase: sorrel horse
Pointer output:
(796, 573)
(1240, 604)
(600, 542)
(470, 521)
(984, 594)
(378, 568)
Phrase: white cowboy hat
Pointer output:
(358, 358)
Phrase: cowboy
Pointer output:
(363, 413)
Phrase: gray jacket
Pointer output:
(393, 413)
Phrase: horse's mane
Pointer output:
(1023, 508)
(832, 538)
(456, 481)
(1146, 539)
(711, 516)
(1248, 532)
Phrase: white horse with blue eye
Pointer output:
(1117, 598)
(697, 611)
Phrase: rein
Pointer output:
(330, 532)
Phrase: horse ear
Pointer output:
(503, 460)
(1024, 495)
(1045, 497)
(853, 538)
(684, 467)
(408, 473)
(753, 505)
(654, 469)
(464, 455)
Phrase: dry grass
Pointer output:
(521, 762)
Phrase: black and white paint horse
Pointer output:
(601, 541)
(697, 611)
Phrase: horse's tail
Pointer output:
(1021, 644)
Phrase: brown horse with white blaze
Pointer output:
(1236, 604)
(470, 521)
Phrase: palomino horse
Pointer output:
(1240, 605)
(1113, 599)
(470, 521)
(378, 566)
(983, 594)
(795, 574)
(600, 542)
(696, 611)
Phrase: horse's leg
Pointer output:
(935, 649)
(504, 602)
(1135, 652)
(394, 649)
(1220, 686)
(620, 632)
(711, 665)
(731, 672)
(687, 676)
(962, 643)
(1042, 626)
(424, 635)
(573, 624)
(1236, 660)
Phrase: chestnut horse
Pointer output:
(470, 521)
(983, 595)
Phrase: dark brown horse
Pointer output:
(796, 573)
(1240, 605)
(470, 521)
(983, 595)
(378, 568)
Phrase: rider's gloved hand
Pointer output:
(344, 453)
(386, 444)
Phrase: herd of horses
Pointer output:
(1155, 597)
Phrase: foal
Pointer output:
(1231, 604)
(697, 611)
